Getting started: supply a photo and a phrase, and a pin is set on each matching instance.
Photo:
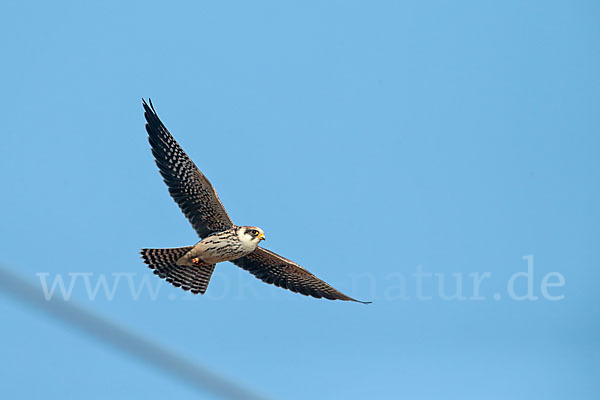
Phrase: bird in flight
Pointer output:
(191, 267)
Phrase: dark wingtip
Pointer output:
(148, 106)
(348, 298)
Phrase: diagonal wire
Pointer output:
(197, 376)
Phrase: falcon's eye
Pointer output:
(254, 232)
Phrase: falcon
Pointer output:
(191, 267)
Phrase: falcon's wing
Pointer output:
(272, 268)
(187, 185)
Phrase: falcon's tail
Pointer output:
(163, 262)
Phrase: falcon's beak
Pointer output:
(262, 237)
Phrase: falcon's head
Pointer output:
(251, 235)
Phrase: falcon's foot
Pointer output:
(196, 261)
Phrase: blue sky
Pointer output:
(370, 140)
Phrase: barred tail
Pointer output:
(163, 262)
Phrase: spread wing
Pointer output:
(272, 268)
(190, 189)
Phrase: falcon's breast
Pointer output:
(218, 247)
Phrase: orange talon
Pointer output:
(196, 260)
